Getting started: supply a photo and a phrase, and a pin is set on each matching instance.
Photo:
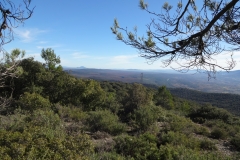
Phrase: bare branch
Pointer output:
(188, 35)
(11, 16)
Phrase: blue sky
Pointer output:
(79, 32)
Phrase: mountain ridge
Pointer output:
(223, 83)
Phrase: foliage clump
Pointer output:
(106, 121)
(54, 115)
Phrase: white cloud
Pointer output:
(49, 46)
(221, 59)
(122, 59)
(225, 57)
(78, 55)
(28, 35)
(68, 50)
(100, 58)
(42, 42)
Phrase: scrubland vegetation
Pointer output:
(45, 113)
(53, 115)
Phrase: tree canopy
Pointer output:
(50, 57)
(188, 34)
(12, 15)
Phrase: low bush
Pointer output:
(202, 130)
(179, 139)
(33, 101)
(207, 145)
(235, 141)
(219, 133)
(170, 152)
(179, 124)
(41, 142)
(107, 156)
(145, 116)
(71, 113)
(141, 148)
(105, 120)
(208, 112)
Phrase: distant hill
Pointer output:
(82, 67)
(230, 102)
(224, 82)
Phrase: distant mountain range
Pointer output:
(224, 82)
(235, 72)
(82, 67)
(65, 67)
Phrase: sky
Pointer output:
(79, 32)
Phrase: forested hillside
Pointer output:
(53, 115)
(230, 102)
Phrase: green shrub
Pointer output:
(105, 120)
(111, 103)
(164, 98)
(207, 145)
(13, 122)
(145, 116)
(202, 130)
(208, 112)
(71, 113)
(179, 139)
(227, 129)
(107, 156)
(179, 124)
(235, 141)
(170, 152)
(219, 133)
(87, 93)
(45, 118)
(135, 97)
(32, 144)
(33, 101)
(141, 148)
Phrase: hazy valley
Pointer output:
(225, 82)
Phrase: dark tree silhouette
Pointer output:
(190, 35)
(13, 14)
